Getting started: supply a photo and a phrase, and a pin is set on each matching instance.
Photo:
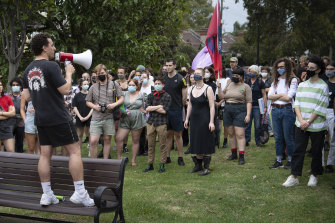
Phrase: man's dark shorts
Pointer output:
(175, 120)
(234, 115)
(58, 135)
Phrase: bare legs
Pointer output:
(121, 135)
(75, 162)
(9, 144)
(94, 139)
(33, 143)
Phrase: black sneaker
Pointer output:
(181, 161)
(187, 151)
(149, 168)
(224, 145)
(125, 149)
(168, 160)
(287, 165)
(258, 144)
(329, 169)
(276, 165)
(247, 144)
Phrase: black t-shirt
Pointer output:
(42, 78)
(174, 86)
(80, 102)
(331, 87)
(212, 84)
(256, 89)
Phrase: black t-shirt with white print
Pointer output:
(42, 78)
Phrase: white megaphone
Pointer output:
(84, 59)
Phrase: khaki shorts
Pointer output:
(102, 127)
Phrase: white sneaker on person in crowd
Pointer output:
(48, 199)
(313, 181)
(291, 181)
(83, 199)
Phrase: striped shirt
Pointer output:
(312, 97)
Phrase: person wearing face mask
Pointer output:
(238, 99)
(330, 73)
(101, 97)
(146, 89)
(258, 91)
(123, 82)
(281, 93)
(311, 102)
(7, 111)
(82, 111)
(265, 74)
(200, 114)
(210, 80)
(18, 128)
(94, 78)
(158, 104)
(133, 121)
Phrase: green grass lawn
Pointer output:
(231, 193)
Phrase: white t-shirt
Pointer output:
(283, 89)
(146, 90)
(223, 82)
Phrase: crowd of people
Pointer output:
(183, 108)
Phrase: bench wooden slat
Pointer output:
(64, 190)
(62, 172)
(89, 181)
(108, 167)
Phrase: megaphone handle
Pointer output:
(66, 62)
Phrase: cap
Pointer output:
(140, 68)
(233, 59)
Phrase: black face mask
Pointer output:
(94, 80)
(102, 78)
(310, 74)
(183, 73)
(235, 79)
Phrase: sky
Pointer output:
(234, 13)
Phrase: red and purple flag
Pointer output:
(213, 40)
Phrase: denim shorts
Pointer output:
(234, 115)
(102, 127)
(29, 126)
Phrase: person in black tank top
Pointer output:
(200, 113)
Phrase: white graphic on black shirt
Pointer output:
(36, 79)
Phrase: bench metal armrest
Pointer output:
(100, 190)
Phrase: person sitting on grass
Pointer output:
(158, 104)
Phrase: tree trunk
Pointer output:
(12, 72)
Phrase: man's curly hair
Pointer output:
(37, 43)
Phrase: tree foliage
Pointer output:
(126, 33)
(288, 28)
(197, 14)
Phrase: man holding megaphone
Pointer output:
(44, 84)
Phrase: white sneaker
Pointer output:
(48, 199)
(83, 199)
(291, 181)
(313, 181)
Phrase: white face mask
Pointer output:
(207, 75)
(264, 74)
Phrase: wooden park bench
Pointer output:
(20, 185)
